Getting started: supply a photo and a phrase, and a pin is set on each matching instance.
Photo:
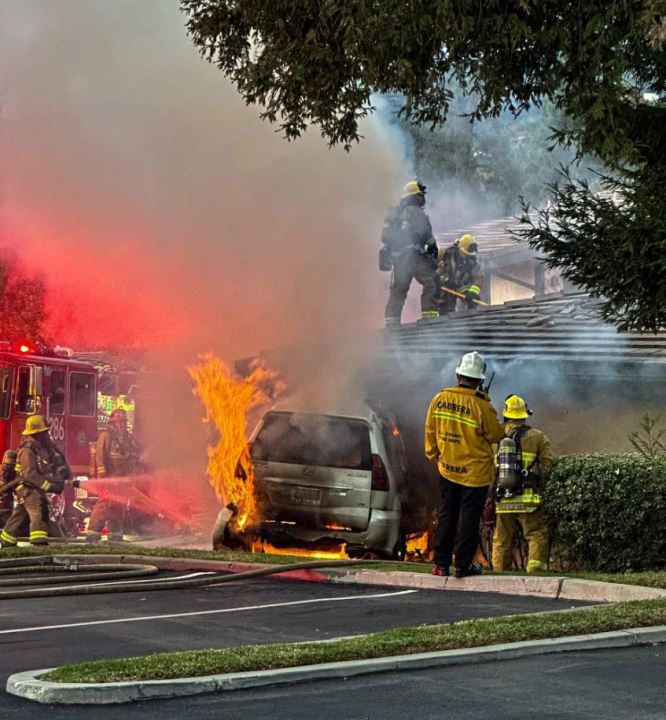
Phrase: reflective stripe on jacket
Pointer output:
(460, 427)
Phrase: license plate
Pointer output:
(305, 496)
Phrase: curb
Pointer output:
(28, 684)
(553, 587)
(556, 588)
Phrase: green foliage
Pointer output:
(608, 512)
(321, 62)
(22, 301)
(497, 161)
(649, 443)
(600, 65)
(612, 244)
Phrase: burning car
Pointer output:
(328, 481)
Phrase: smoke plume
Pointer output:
(161, 212)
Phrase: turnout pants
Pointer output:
(457, 532)
(412, 265)
(110, 513)
(535, 530)
(33, 506)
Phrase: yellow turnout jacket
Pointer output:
(460, 428)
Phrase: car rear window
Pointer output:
(307, 439)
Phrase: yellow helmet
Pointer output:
(515, 408)
(413, 187)
(35, 424)
(467, 244)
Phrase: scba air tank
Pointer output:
(507, 463)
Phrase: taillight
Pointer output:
(380, 479)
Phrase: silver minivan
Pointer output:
(326, 478)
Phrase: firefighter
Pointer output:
(409, 242)
(116, 453)
(461, 426)
(459, 270)
(7, 484)
(521, 505)
(41, 469)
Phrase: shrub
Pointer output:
(608, 512)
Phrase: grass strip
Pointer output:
(165, 552)
(655, 578)
(399, 641)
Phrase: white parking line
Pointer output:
(206, 612)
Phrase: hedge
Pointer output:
(607, 512)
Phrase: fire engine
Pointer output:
(52, 382)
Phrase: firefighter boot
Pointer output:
(469, 571)
(7, 540)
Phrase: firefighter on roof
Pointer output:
(460, 428)
(459, 270)
(524, 456)
(41, 469)
(411, 251)
(116, 453)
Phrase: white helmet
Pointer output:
(472, 365)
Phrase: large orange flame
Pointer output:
(228, 401)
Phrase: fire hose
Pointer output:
(34, 566)
(462, 296)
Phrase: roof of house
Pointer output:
(494, 241)
(564, 329)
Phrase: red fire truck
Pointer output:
(50, 382)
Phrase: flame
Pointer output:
(262, 546)
(418, 546)
(228, 401)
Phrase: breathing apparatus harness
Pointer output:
(516, 485)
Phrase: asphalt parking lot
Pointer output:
(44, 632)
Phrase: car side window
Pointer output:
(394, 448)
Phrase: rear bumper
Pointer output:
(380, 536)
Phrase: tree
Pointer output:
(22, 301)
(497, 161)
(601, 62)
